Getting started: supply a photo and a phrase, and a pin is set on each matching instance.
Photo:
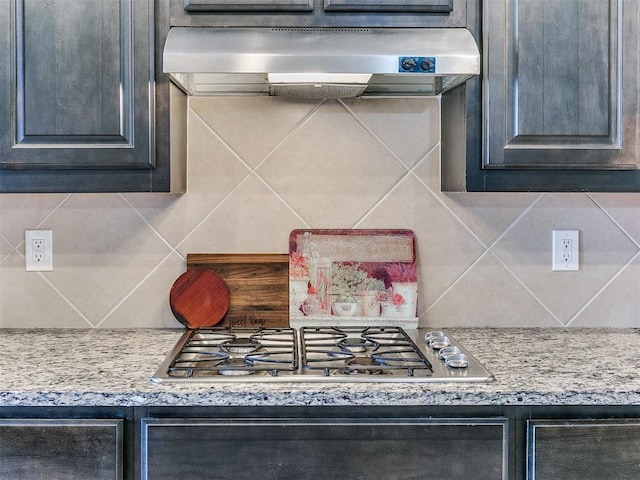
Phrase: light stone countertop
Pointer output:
(57, 367)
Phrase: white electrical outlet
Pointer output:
(566, 250)
(38, 250)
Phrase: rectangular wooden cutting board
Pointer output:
(258, 285)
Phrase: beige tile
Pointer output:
(102, 250)
(526, 251)
(20, 212)
(28, 301)
(213, 172)
(5, 248)
(624, 208)
(488, 215)
(618, 305)
(148, 305)
(332, 170)
(445, 248)
(252, 220)
(409, 127)
(487, 295)
(428, 170)
(252, 126)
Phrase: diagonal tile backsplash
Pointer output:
(260, 167)
(604, 247)
(332, 170)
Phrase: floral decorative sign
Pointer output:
(352, 277)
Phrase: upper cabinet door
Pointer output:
(561, 84)
(247, 5)
(320, 13)
(430, 6)
(79, 85)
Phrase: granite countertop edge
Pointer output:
(113, 367)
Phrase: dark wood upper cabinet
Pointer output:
(81, 98)
(320, 13)
(556, 108)
(429, 6)
(248, 5)
(561, 84)
(74, 99)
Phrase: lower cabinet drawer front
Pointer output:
(41, 449)
(309, 449)
(583, 449)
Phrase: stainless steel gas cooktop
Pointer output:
(379, 354)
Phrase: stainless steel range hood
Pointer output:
(320, 62)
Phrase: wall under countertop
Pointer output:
(260, 167)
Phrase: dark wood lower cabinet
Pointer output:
(583, 449)
(319, 449)
(64, 449)
(321, 442)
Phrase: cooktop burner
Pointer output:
(354, 350)
(318, 354)
(240, 351)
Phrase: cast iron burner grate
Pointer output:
(236, 351)
(361, 350)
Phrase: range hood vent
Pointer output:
(320, 62)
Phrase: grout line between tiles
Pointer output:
(403, 177)
(55, 209)
(382, 199)
(441, 202)
(252, 171)
(457, 280)
(602, 289)
(515, 222)
(219, 138)
(214, 209)
(380, 141)
(12, 249)
(396, 185)
(158, 234)
(222, 202)
(277, 195)
(238, 157)
(44, 277)
(134, 289)
(604, 210)
(524, 285)
(293, 131)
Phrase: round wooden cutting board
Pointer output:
(199, 298)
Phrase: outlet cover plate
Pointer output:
(38, 250)
(566, 250)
